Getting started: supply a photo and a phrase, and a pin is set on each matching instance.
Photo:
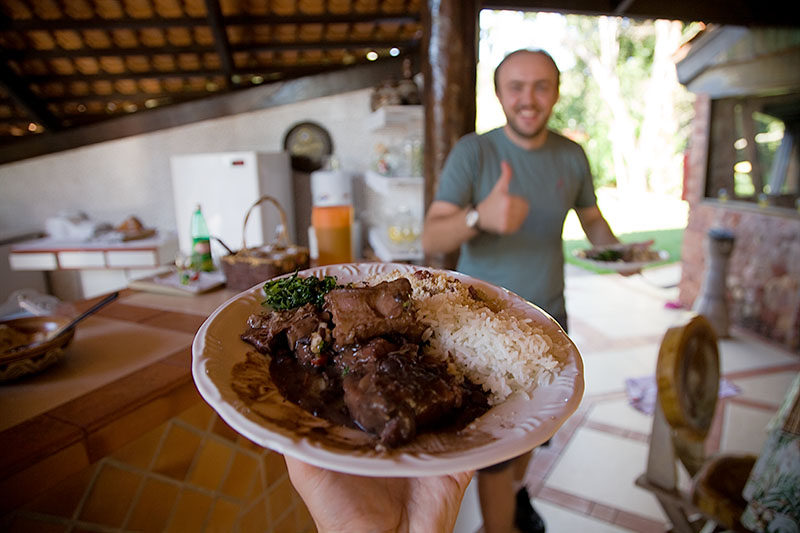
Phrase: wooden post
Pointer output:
(450, 57)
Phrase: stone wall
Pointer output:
(764, 268)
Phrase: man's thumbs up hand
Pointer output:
(504, 181)
(502, 212)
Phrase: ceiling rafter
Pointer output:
(325, 45)
(21, 94)
(221, 45)
(293, 70)
(97, 23)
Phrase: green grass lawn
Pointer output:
(665, 239)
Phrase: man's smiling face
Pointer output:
(527, 88)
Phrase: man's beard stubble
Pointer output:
(524, 135)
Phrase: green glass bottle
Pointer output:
(201, 243)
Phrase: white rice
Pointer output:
(495, 346)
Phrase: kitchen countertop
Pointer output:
(127, 370)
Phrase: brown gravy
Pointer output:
(320, 393)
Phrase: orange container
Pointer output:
(332, 227)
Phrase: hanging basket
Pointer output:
(251, 266)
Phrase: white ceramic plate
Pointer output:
(622, 266)
(507, 430)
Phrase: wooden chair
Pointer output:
(687, 377)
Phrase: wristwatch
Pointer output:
(472, 218)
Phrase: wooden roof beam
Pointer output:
(270, 72)
(19, 91)
(221, 44)
(97, 23)
(203, 49)
(266, 96)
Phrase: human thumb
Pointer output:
(504, 180)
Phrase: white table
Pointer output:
(102, 265)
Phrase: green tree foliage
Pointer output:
(582, 112)
(602, 104)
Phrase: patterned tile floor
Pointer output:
(585, 480)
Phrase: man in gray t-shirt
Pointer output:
(556, 179)
(502, 200)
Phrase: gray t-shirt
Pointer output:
(553, 179)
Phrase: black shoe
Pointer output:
(526, 518)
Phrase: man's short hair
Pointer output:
(526, 51)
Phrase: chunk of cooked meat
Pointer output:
(399, 394)
(361, 313)
(362, 358)
(304, 330)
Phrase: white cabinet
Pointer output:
(395, 186)
(396, 118)
(395, 216)
(101, 266)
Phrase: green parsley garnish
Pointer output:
(294, 291)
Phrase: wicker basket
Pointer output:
(250, 266)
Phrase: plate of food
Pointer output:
(623, 257)
(384, 369)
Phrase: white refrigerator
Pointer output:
(226, 185)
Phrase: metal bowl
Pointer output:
(36, 356)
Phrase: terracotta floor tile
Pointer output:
(603, 512)
(140, 452)
(211, 464)
(564, 499)
(198, 416)
(110, 497)
(280, 498)
(275, 467)
(154, 507)
(129, 426)
(223, 516)
(190, 513)
(247, 444)
(638, 523)
(177, 453)
(258, 488)
(303, 518)
(221, 429)
(241, 477)
(285, 524)
(606, 428)
(255, 519)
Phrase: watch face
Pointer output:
(472, 218)
(308, 144)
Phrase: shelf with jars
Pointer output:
(395, 216)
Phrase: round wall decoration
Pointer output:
(308, 144)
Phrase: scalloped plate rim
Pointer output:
(394, 463)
